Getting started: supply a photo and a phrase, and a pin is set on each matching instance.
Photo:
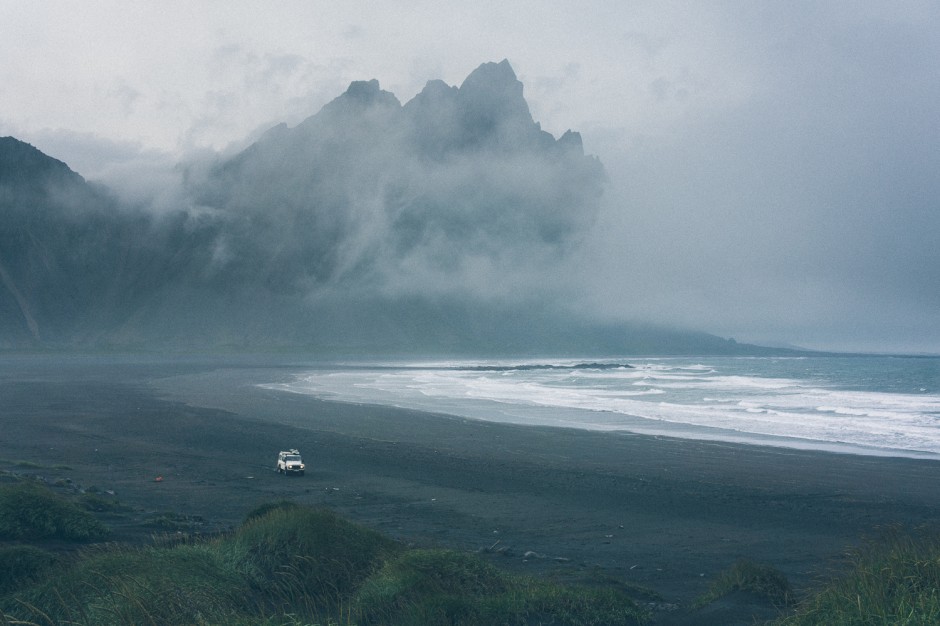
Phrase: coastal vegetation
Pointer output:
(285, 564)
(758, 579)
(892, 580)
(291, 564)
(31, 511)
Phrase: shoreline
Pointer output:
(667, 514)
(670, 430)
(827, 426)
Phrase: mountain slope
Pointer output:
(437, 226)
(53, 224)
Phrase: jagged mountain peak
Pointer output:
(500, 73)
(486, 113)
(363, 100)
(493, 89)
(572, 140)
(437, 89)
(368, 92)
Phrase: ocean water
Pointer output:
(887, 406)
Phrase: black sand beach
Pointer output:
(667, 514)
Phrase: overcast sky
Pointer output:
(774, 166)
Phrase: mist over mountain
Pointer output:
(437, 226)
(455, 192)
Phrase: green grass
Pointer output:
(597, 577)
(539, 602)
(445, 587)
(292, 565)
(263, 509)
(186, 584)
(21, 565)
(289, 565)
(308, 557)
(427, 586)
(760, 580)
(30, 511)
(893, 581)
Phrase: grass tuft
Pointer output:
(174, 522)
(31, 511)
(21, 565)
(295, 552)
(184, 585)
(421, 584)
(895, 580)
(263, 509)
(760, 580)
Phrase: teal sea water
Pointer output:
(856, 404)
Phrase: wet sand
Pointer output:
(667, 514)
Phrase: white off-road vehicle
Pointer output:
(289, 462)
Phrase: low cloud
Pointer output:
(458, 193)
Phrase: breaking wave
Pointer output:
(827, 403)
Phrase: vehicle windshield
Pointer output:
(291, 457)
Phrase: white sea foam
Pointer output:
(767, 401)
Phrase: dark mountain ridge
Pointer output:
(26, 170)
(371, 227)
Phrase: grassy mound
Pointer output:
(446, 587)
(30, 511)
(428, 587)
(291, 560)
(183, 585)
(894, 581)
(301, 557)
(760, 580)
